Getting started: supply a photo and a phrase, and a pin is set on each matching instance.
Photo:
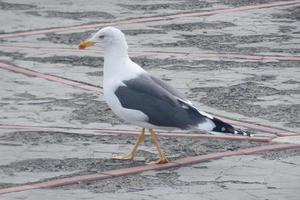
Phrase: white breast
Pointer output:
(112, 80)
(132, 116)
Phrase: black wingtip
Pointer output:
(224, 127)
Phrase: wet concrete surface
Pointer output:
(266, 92)
(249, 177)
(223, 174)
(33, 152)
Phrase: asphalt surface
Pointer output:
(242, 65)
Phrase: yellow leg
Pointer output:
(132, 152)
(162, 158)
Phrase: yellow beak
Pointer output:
(85, 44)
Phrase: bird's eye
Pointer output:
(101, 36)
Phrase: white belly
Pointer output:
(113, 74)
(133, 116)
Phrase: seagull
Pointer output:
(144, 100)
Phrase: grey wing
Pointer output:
(159, 101)
(167, 87)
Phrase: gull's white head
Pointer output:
(108, 38)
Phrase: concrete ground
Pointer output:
(238, 60)
(247, 177)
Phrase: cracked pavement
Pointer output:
(243, 65)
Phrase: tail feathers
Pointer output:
(211, 123)
(223, 127)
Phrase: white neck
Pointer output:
(114, 61)
(117, 64)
